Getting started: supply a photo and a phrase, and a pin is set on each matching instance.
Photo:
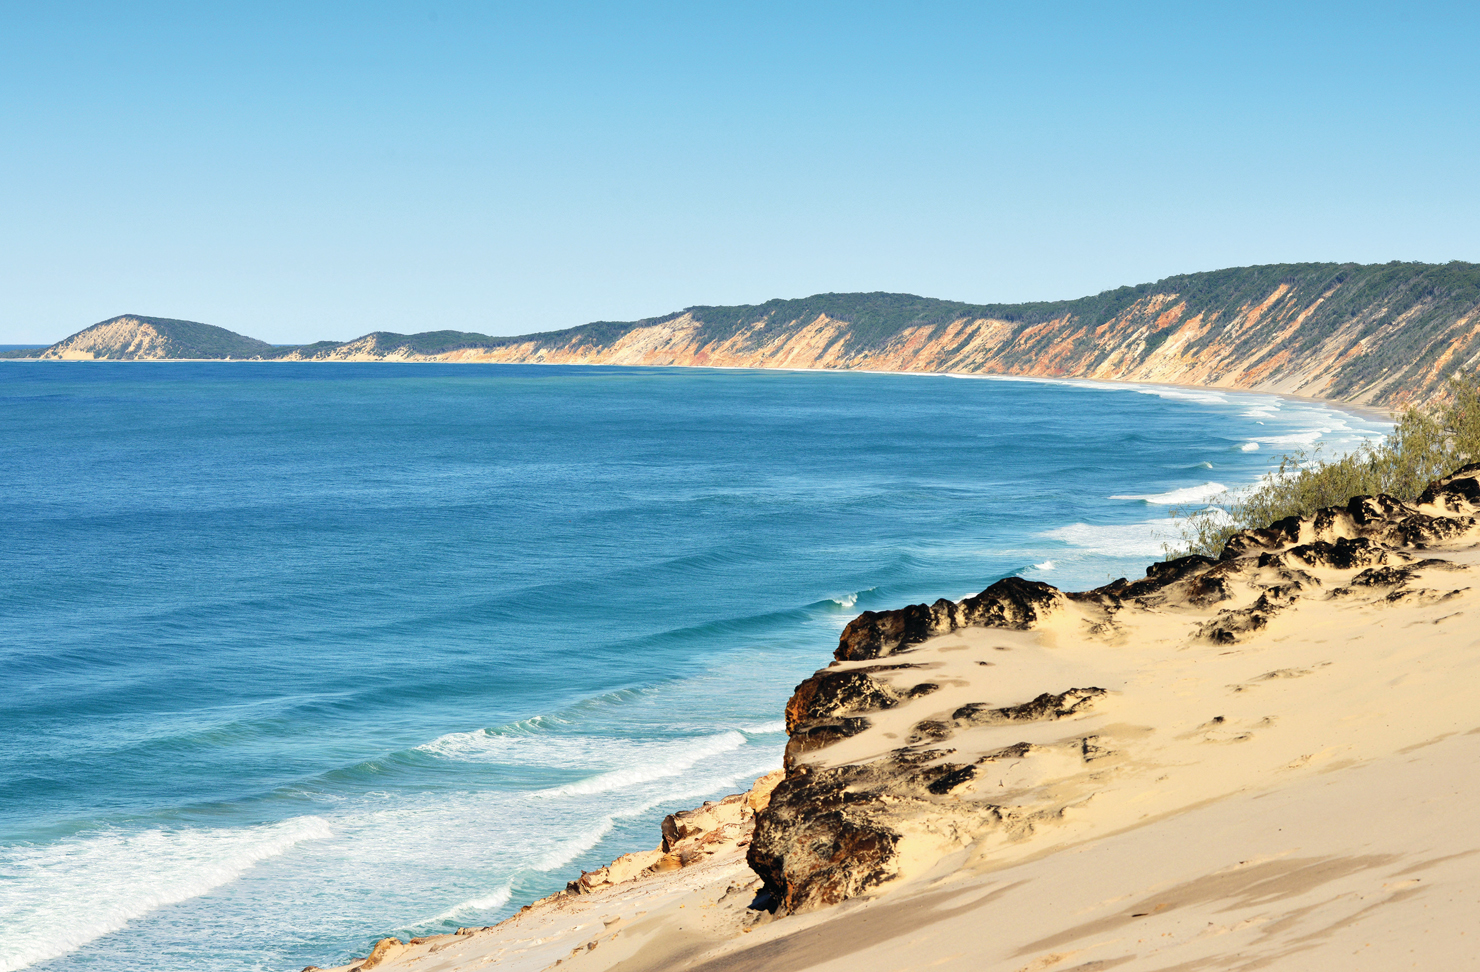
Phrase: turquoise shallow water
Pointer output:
(299, 656)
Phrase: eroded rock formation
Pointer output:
(890, 756)
(689, 836)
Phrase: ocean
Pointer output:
(300, 656)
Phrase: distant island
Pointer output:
(1383, 335)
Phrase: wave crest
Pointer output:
(1173, 497)
(674, 761)
(1122, 540)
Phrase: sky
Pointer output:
(311, 171)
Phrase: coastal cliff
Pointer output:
(1382, 335)
(1263, 760)
(1374, 335)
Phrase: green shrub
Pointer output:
(1424, 445)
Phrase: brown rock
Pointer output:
(668, 862)
(1009, 603)
(629, 866)
(384, 949)
(759, 796)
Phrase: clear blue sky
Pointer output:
(307, 171)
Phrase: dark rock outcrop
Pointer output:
(827, 833)
(831, 705)
(1045, 707)
(1010, 603)
(1345, 554)
(834, 831)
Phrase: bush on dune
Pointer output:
(1424, 445)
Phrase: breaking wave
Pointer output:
(1121, 540)
(671, 760)
(1189, 494)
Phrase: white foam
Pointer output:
(1185, 395)
(459, 744)
(1249, 447)
(1188, 494)
(670, 760)
(563, 853)
(523, 746)
(846, 601)
(765, 727)
(1200, 396)
(691, 786)
(1217, 515)
(58, 897)
(1160, 391)
(1303, 438)
(1143, 539)
(1046, 565)
(497, 899)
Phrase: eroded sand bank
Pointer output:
(1268, 761)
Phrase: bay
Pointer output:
(300, 656)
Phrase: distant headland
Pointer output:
(1383, 335)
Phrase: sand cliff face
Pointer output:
(123, 338)
(1010, 722)
(1384, 335)
(1271, 342)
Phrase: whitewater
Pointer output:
(302, 656)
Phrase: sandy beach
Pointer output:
(1265, 761)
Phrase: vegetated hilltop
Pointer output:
(130, 337)
(1383, 335)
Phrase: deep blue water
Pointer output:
(299, 656)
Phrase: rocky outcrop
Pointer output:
(876, 765)
(1009, 603)
(689, 837)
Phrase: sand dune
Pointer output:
(1268, 761)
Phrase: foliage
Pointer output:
(432, 342)
(190, 339)
(1424, 445)
(283, 350)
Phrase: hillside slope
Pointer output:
(130, 337)
(1381, 335)
(1384, 335)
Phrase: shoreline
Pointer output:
(1253, 762)
(1365, 412)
